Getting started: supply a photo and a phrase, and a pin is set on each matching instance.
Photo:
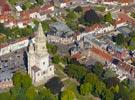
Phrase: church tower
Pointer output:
(39, 67)
(31, 57)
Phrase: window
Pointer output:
(44, 72)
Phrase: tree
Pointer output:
(98, 69)
(52, 49)
(21, 80)
(76, 71)
(112, 82)
(45, 94)
(13, 2)
(109, 73)
(108, 18)
(71, 16)
(132, 14)
(85, 88)
(91, 78)
(107, 95)
(56, 59)
(71, 20)
(120, 39)
(40, 2)
(78, 9)
(26, 81)
(21, 94)
(17, 79)
(54, 85)
(72, 24)
(132, 94)
(124, 92)
(67, 95)
(91, 17)
(14, 92)
(99, 87)
(115, 89)
(5, 96)
(45, 26)
(31, 93)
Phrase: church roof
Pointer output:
(35, 69)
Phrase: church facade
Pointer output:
(39, 67)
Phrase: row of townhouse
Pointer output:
(96, 29)
(13, 46)
(112, 2)
(24, 18)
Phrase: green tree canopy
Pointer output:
(31, 93)
(52, 49)
(108, 18)
(67, 95)
(17, 79)
(98, 69)
(91, 78)
(76, 71)
(71, 20)
(91, 17)
(21, 80)
(45, 94)
(99, 87)
(40, 2)
(120, 39)
(26, 81)
(71, 16)
(107, 95)
(85, 88)
(5, 96)
(56, 59)
(45, 26)
(13, 2)
(78, 9)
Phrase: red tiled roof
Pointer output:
(25, 14)
(45, 7)
(35, 9)
(121, 1)
(66, 1)
(4, 6)
(101, 53)
(122, 17)
(77, 56)
(93, 27)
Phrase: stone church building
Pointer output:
(39, 67)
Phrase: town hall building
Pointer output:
(39, 67)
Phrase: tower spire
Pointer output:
(40, 41)
(40, 34)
